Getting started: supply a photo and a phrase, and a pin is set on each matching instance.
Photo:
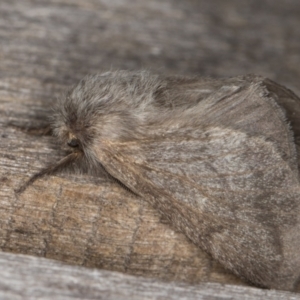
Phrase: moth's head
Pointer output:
(94, 112)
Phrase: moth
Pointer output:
(217, 158)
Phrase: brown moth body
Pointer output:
(215, 157)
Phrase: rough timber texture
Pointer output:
(46, 46)
(27, 277)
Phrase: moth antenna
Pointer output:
(49, 170)
(33, 130)
(40, 131)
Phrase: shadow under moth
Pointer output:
(217, 158)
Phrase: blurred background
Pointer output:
(59, 41)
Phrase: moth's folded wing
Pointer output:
(290, 103)
(249, 104)
(230, 193)
(252, 104)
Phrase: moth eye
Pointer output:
(73, 142)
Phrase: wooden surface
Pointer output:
(27, 277)
(46, 46)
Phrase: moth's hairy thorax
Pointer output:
(114, 105)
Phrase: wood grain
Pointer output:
(27, 277)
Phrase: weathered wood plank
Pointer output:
(27, 277)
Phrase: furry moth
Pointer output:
(216, 158)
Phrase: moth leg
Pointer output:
(51, 169)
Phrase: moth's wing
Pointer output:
(230, 193)
(251, 104)
(290, 103)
